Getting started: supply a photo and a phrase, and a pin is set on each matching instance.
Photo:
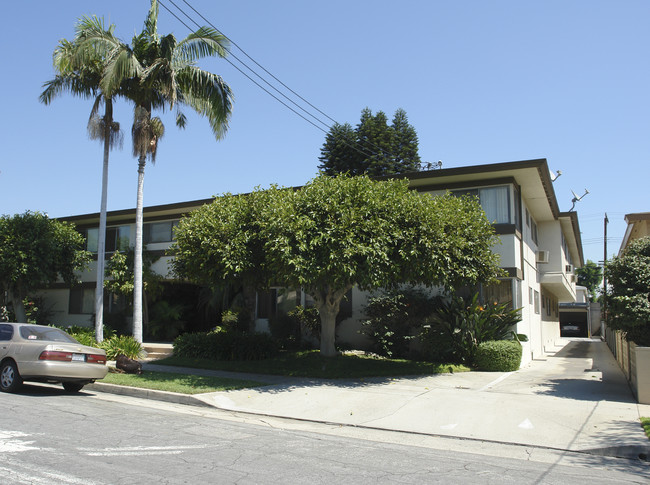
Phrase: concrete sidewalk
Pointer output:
(575, 398)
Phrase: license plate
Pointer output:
(78, 357)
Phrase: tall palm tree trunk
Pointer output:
(101, 239)
(137, 257)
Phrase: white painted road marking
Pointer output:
(140, 450)
(495, 381)
(449, 426)
(526, 424)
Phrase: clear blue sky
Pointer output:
(482, 82)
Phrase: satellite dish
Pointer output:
(576, 198)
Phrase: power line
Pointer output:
(242, 72)
(357, 146)
(258, 64)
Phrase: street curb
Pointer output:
(636, 453)
(166, 396)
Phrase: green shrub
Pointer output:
(123, 344)
(285, 329)
(86, 335)
(84, 338)
(236, 320)
(467, 323)
(309, 321)
(193, 345)
(393, 319)
(166, 320)
(225, 346)
(498, 356)
(627, 297)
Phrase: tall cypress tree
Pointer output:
(405, 146)
(374, 147)
(338, 154)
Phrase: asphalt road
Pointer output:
(50, 437)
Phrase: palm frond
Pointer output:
(181, 119)
(209, 95)
(160, 77)
(95, 109)
(205, 42)
(121, 65)
(72, 84)
(151, 24)
(93, 40)
(167, 46)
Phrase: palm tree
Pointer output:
(82, 77)
(159, 73)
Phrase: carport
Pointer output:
(574, 320)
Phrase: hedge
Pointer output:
(498, 356)
(225, 346)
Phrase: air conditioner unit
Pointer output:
(568, 268)
(542, 256)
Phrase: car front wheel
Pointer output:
(72, 386)
(9, 377)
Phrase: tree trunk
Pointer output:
(328, 330)
(19, 307)
(328, 302)
(137, 257)
(101, 239)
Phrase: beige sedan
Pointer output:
(46, 354)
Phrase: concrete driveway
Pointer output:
(575, 398)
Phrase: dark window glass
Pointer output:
(156, 232)
(82, 300)
(6, 331)
(50, 334)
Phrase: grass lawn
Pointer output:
(311, 364)
(182, 383)
(645, 422)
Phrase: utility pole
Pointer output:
(606, 221)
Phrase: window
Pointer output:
(533, 230)
(157, 232)
(49, 334)
(6, 332)
(500, 292)
(118, 238)
(496, 204)
(82, 300)
(92, 237)
(536, 301)
(495, 201)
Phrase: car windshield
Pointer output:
(50, 334)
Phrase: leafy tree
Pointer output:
(335, 233)
(374, 147)
(628, 299)
(120, 276)
(80, 75)
(161, 72)
(36, 251)
(590, 276)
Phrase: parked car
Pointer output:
(39, 353)
(572, 330)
